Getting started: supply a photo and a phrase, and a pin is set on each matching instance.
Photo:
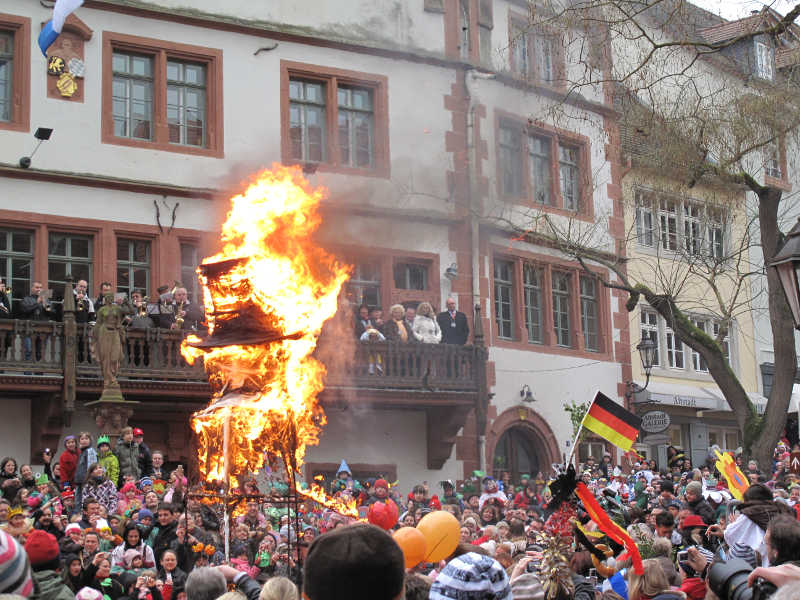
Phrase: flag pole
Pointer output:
(578, 434)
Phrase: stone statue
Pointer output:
(109, 335)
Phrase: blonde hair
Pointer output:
(395, 307)
(232, 596)
(651, 583)
(425, 309)
(279, 588)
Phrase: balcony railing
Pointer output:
(31, 348)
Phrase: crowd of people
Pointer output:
(167, 309)
(412, 324)
(106, 521)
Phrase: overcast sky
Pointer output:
(734, 9)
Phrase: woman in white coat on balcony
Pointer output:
(425, 326)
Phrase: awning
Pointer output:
(698, 398)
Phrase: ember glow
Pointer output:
(271, 289)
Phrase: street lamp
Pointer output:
(647, 352)
(787, 264)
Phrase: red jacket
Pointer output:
(68, 461)
(694, 588)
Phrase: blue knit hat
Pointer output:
(471, 576)
(144, 513)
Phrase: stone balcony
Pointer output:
(52, 364)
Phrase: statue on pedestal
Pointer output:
(109, 336)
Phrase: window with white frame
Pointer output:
(772, 164)
(698, 362)
(503, 294)
(561, 308)
(697, 228)
(645, 220)
(726, 348)
(532, 291)
(726, 439)
(649, 331)
(511, 159)
(674, 350)
(589, 313)
(668, 224)
(519, 49)
(541, 164)
(764, 59)
(364, 285)
(568, 171)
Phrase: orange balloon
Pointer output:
(442, 533)
(412, 543)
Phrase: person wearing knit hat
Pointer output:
(15, 570)
(527, 587)
(697, 504)
(471, 576)
(355, 562)
(88, 593)
(17, 526)
(43, 553)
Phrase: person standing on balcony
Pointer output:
(35, 307)
(425, 326)
(454, 325)
(362, 321)
(105, 289)
(81, 292)
(408, 319)
(5, 303)
(184, 315)
(396, 328)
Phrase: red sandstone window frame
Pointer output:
(557, 137)
(21, 78)
(782, 182)
(548, 264)
(161, 51)
(378, 84)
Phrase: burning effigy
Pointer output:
(267, 294)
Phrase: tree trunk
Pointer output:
(763, 439)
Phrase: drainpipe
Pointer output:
(474, 207)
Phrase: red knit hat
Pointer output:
(42, 547)
(693, 521)
(381, 483)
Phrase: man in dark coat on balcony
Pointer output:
(454, 325)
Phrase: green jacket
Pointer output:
(110, 464)
(128, 456)
(48, 585)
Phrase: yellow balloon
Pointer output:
(442, 532)
(412, 543)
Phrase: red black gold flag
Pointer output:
(609, 527)
(609, 420)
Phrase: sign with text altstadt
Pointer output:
(794, 462)
(655, 421)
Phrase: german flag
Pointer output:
(609, 420)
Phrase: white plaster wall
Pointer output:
(417, 117)
(555, 381)
(15, 429)
(385, 22)
(112, 205)
(361, 435)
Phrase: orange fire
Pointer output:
(271, 277)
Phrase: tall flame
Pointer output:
(275, 280)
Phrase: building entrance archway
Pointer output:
(520, 441)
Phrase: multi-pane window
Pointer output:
(693, 228)
(674, 350)
(511, 160)
(698, 362)
(307, 120)
(539, 149)
(772, 166)
(356, 127)
(668, 224)
(186, 103)
(764, 60)
(589, 313)
(410, 276)
(465, 43)
(546, 53)
(649, 331)
(364, 286)
(68, 255)
(16, 264)
(6, 74)
(645, 221)
(133, 266)
(726, 349)
(503, 294)
(568, 170)
(132, 93)
(335, 119)
(189, 263)
(561, 308)
(519, 49)
(686, 225)
(532, 297)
